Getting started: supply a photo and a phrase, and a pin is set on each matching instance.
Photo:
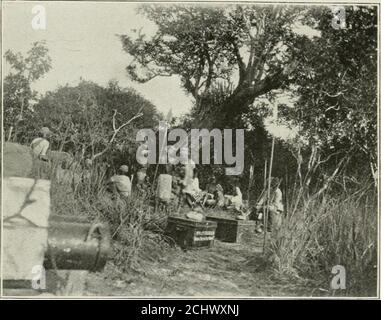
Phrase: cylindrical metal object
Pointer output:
(76, 245)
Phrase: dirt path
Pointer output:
(226, 269)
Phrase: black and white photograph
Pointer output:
(190, 150)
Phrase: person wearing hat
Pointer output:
(40, 145)
(122, 182)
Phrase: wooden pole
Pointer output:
(263, 193)
(286, 192)
(268, 196)
(250, 183)
(265, 175)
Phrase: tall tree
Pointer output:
(18, 93)
(205, 45)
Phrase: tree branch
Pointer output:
(116, 131)
(241, 64)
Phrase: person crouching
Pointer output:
(121, 182)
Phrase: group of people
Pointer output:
(184, 188)
(214, 196)
(186, 191)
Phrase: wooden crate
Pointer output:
(233, 230)
(189, 234)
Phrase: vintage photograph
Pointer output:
(189, 150)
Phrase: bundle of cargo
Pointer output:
(164, 187)
(190, 233)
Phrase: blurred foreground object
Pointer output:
(34, 241)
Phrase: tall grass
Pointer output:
(327, 228)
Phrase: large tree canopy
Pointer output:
(336, 84)
(256, 50)
(206, 45)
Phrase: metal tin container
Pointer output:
(76, 245)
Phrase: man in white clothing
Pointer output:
(274, 205)
(40, 145)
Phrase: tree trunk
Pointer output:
(246, 93)
(236, 105)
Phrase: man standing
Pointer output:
(274, 205)
(122, 182)
(40, 145)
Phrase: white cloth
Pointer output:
(122, 184)
(237, 199)
(189, 167)
(40, 146)
(196, 185)
(188, 181)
